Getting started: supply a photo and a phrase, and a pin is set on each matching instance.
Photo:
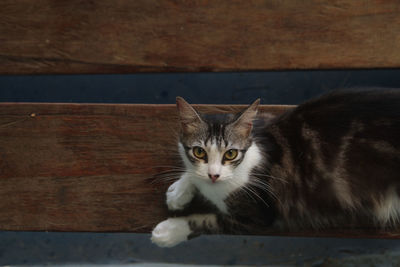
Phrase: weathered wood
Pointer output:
(71, 167)
(123, 36)
(96, 167)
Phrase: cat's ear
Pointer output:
(243, 125)
(189, 118)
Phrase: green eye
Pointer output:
(199, 153)
(231, 154)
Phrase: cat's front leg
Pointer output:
(173, 231)
(180, 193)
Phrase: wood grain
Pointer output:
(97, 167)
(122, 36)
(78, 167)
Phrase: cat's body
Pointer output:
(329, 162)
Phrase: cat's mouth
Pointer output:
(214, 179)
(211, 180)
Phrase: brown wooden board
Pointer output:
(96, 167)
(123, 36)
(87, 167)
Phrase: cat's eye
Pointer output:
(231, 154)
(199, 153)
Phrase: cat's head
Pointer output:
(213, 146)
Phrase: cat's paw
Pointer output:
(171, 232)
(178, 195)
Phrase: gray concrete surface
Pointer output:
(30, 248)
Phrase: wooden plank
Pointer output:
(82, 167)
(96, 167)
(123, 36)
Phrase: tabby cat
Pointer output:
(332, 161)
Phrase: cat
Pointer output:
(332, 161)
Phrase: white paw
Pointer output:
(170, 232)
(178, 195)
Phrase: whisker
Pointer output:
(170, 171)
(164, 179)
(161, 177)
(270, 176)
(266, 188)
(245, 190)
(168, 166)
(255, 193)
(250, 192)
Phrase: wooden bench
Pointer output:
(91, 167)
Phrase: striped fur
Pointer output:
(332, 161)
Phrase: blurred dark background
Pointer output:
(291, 87)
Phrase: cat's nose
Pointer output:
(213, 177)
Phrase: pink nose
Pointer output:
(213, 177)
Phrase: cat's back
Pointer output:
(372, 114)
(350, 104)
(343, 146)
